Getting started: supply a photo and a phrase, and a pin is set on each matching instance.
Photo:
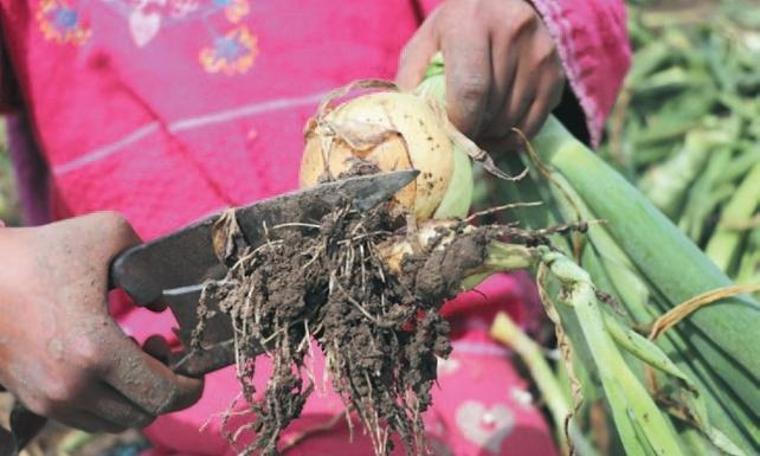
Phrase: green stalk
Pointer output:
(614, 272)
(649, 59)
(702, 195)
(666, 184)
(742, 163)
(645, 350)
(714, 346)
(605, 259)
(634, 294)
(674, 266)
(723, 247)
(501, 257)
(641, 426)
(749, 268)
(507, 332)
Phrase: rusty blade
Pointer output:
(173, 268)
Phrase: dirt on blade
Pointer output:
(381, 332)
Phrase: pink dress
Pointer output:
(169, 110)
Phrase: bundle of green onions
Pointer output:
(691, 387)
(708, 391)
(687, 128)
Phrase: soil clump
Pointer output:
(381, 332)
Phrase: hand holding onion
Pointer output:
(503, 73)
(503, 70)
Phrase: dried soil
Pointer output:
(381, 332)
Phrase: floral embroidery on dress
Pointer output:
(234, 9)
(228, 52)
(232, 53)
(62, 23)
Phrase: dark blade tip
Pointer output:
(383, 187)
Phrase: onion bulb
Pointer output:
(392, 130)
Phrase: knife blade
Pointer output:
(173, 268)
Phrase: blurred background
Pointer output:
(9, 208)
(686, 130)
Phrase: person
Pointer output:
(160, 112)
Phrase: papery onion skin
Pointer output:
(393, 130)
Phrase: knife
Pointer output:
(174, 268)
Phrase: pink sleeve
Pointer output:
(593, 43)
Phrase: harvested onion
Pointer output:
(393, 130)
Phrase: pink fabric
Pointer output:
(167, 110)
(592, 36)
(479, 405)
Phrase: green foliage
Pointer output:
(686, 128)
(9, 210)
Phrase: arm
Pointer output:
(508, 60)
(60, 352)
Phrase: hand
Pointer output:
(502, 67)
(60, 352)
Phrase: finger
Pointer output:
(109, 405)
(522, 98)
(548, 91)
(503, 145)
(110, 230)
(86, 421)
(468, 76)
(504, 57)
(115, 236)
(511, 141)
(157, 347)
(540, 111)
(533, 120)
(120, 295)
(415, 57)
(528, 43)
(147, 382)
(157, 306)
(549, 94)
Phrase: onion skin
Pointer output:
(392, 130)
(393, 251)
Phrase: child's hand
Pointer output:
(502, 67)
(60, 352)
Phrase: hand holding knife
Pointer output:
(172, 269)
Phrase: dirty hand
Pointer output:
(60, 352)
(502, 67)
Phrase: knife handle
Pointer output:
(136, 262)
